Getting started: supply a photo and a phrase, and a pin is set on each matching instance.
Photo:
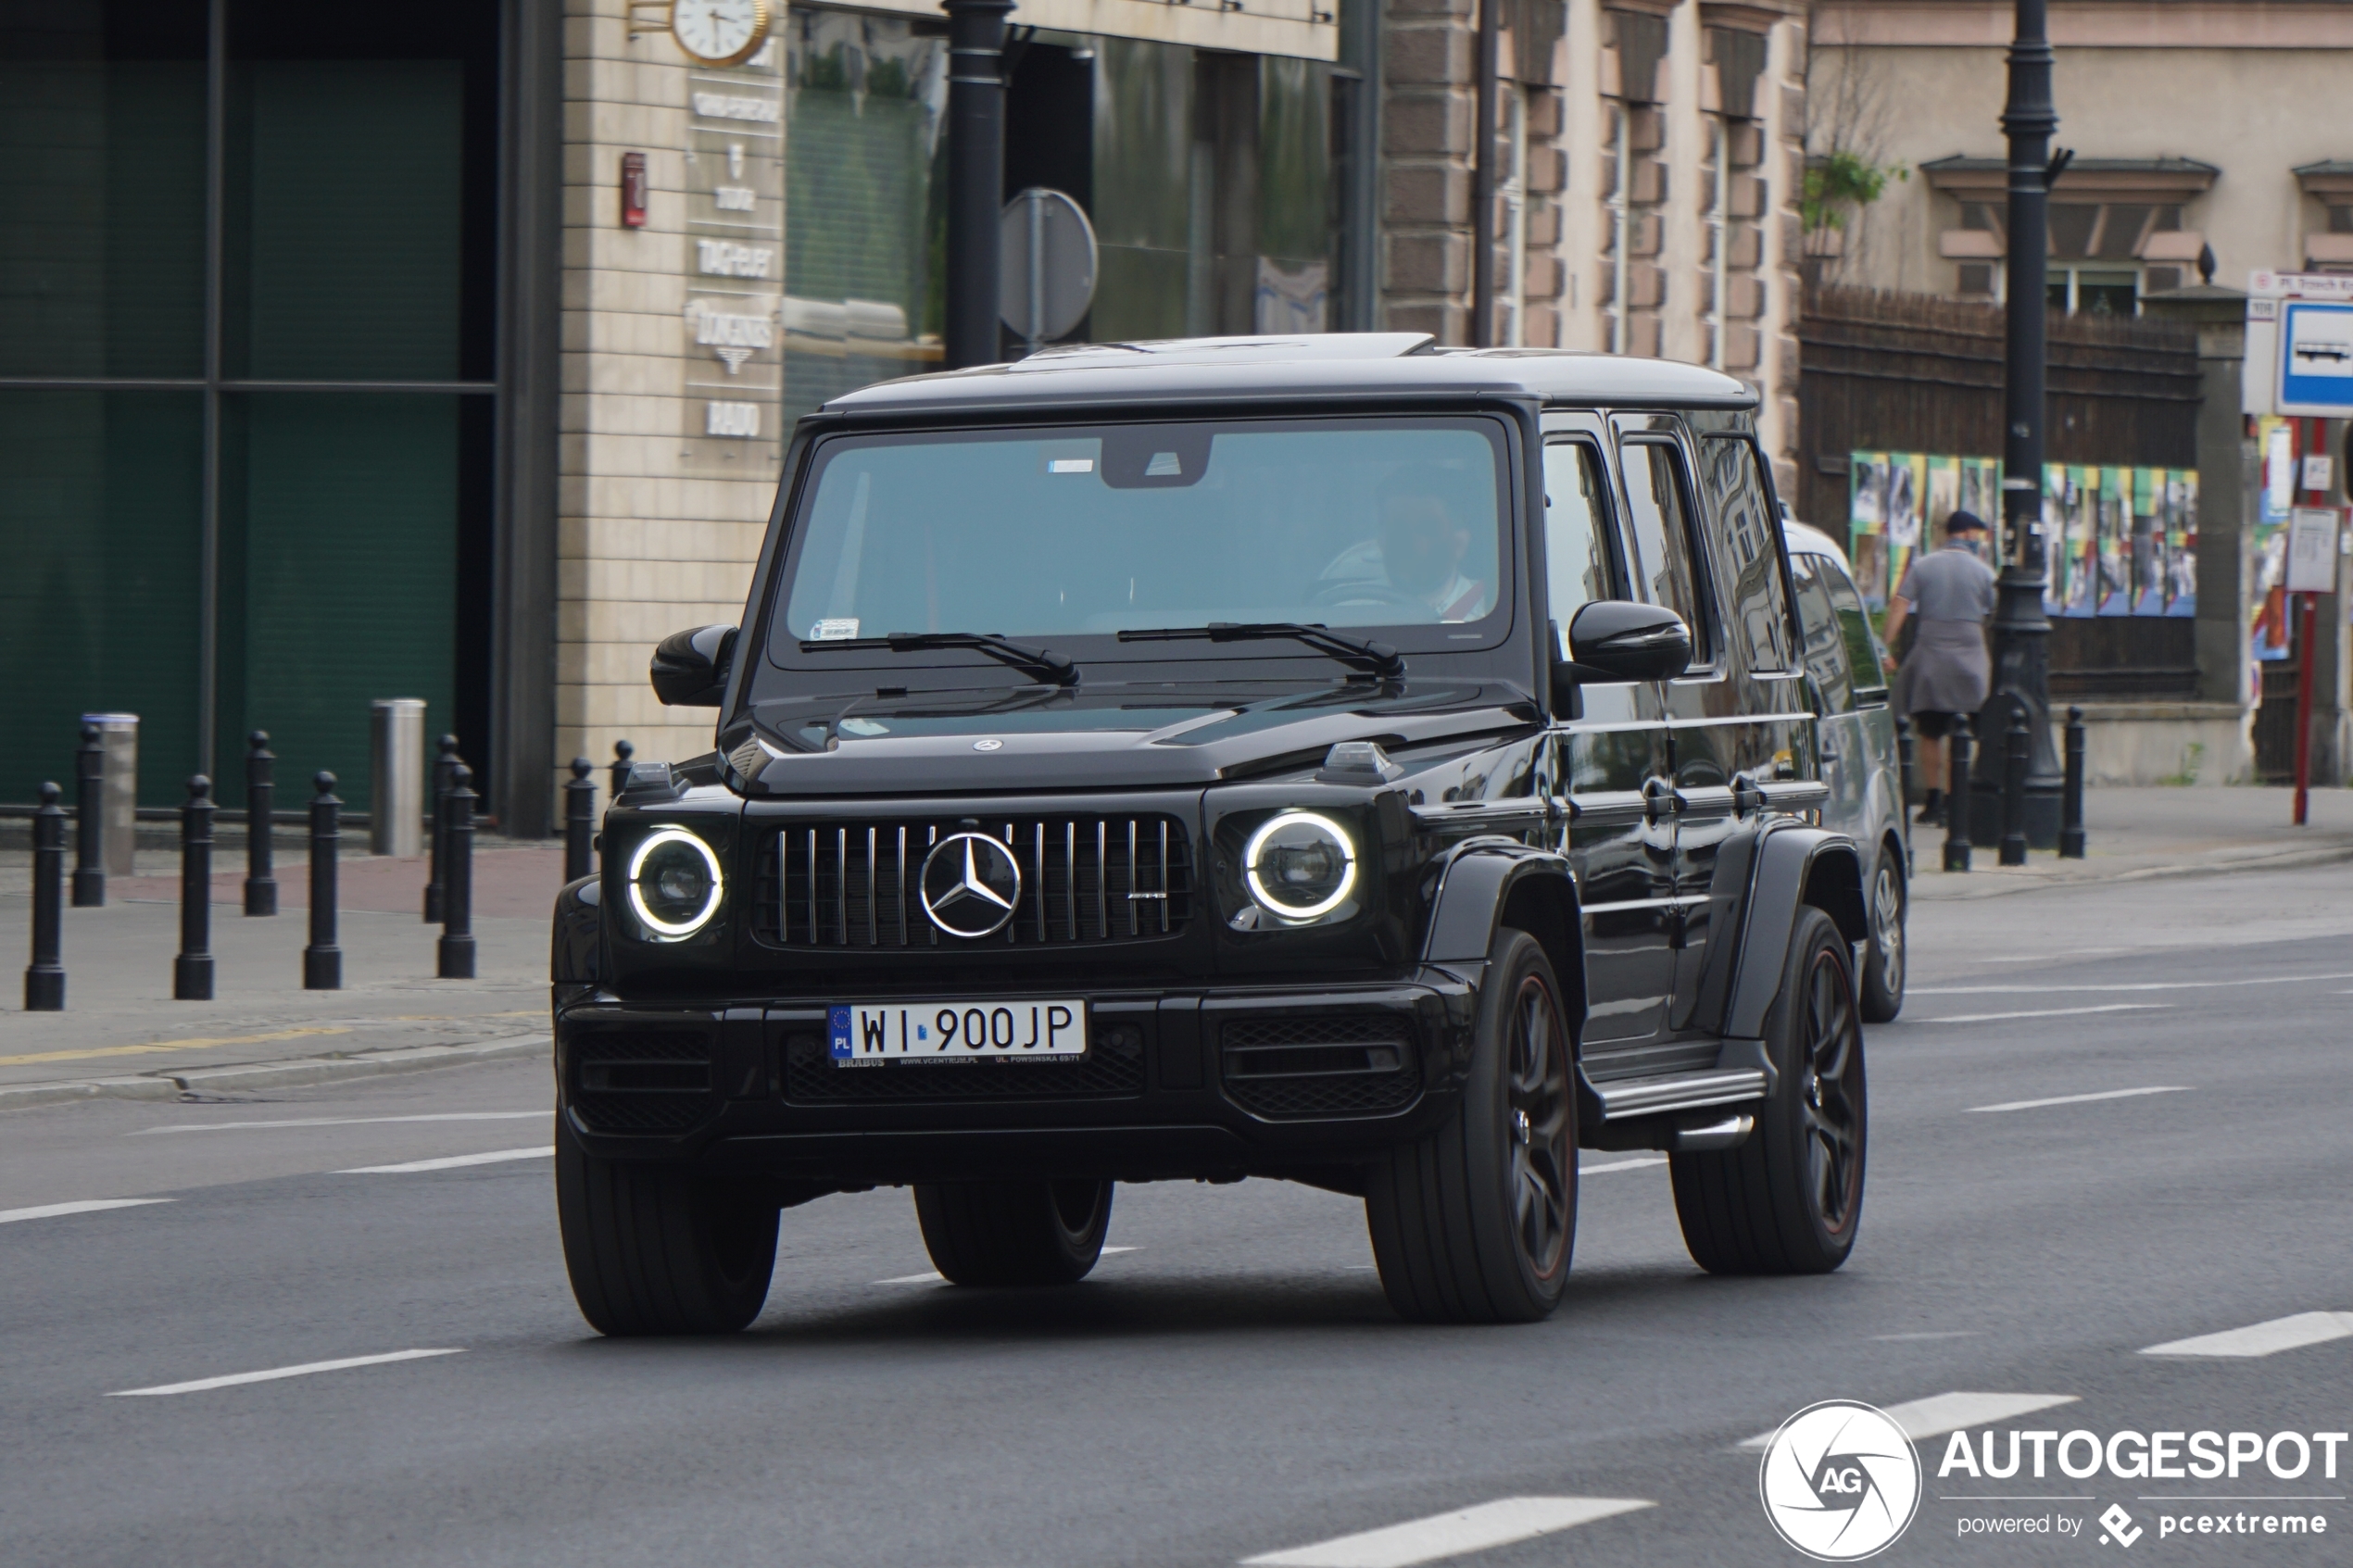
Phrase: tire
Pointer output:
(1787, 1201)
(658, 1249)
(1884, 956)
(1476, 1222)
(1015, 1233)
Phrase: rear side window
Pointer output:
(1577, 531)
(1863, 651)
(1759, 605)
(1825, 644)
(1658, 505)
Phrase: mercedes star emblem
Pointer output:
(970, 884)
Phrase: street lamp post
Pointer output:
(976, 175)
(2021, 631)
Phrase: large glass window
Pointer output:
(1577, 569)
(1753, 570)
(1660, 509)
(1388, 522)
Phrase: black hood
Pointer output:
(1112, 735)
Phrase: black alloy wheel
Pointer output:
(1788, 1200)
(1476, 1222)
(1029, 1233)
(1883, 956)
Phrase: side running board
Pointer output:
(1679, 1091)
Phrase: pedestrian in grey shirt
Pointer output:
(1947, 674)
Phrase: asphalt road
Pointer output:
(1233, 1385)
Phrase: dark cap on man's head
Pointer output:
(1964, 522)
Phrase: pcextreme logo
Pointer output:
(1840, 1481)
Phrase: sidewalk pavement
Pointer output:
(2134, 835)
(123, 1035)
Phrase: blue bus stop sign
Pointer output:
(2316, 358)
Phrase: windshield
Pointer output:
(1087, 531)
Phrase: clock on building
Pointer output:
(719, 32)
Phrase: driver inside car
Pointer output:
(1419, 554)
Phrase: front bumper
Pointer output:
(1217, 1084)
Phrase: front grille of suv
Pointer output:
(1295, 1065)
(640, 1081)
(1113, 1068)
(1085, 880)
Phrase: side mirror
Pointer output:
(1619, 640)
(690, 668)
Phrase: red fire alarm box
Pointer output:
(633, 190)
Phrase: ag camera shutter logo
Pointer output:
(1840, 1481)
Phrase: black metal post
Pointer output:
(622, 752)
(2071, 843)
(457, 952)
(2021, 631)
(1957, 841)
(44, 978)
(976, 175)
(2014, 756)
(580, 820)
(444, 765)
(261, 795)
(192, 971)
(322, 960)
(89, 821)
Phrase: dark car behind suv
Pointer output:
(1332, 759)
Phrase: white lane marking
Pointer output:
(1940, 1413)
(1621, 1165)
(344, 1122)
(2077, 987)
(2047, 1013)
(1500, 1523)
(201, 1384)
(85, 1206)
(452, 1163)
(2083, 1100)
(933, 1277)
(1936, 1333)
(1108, 1251)
(2263, 1339)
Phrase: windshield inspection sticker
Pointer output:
(838, 629)
(1070, 465)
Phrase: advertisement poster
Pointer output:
(2181, 541)
(2081, 520)
(2116, 542)
(2148, 542)
(1981, 497)
(2270, 590)
(2055, 574)
(1944, 496)
(1867, 525)
(2276, 440)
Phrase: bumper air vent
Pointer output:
(1297, 1066)
(649, 1081)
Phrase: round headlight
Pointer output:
(1300, 865)
(675, 883)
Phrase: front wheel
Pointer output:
(1476, 1222)
(656, 1249)
(1015, 1233)
(1884, 955)
(1788, 1200)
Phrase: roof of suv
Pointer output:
(1340, 365)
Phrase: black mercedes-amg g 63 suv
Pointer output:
(1334, 758)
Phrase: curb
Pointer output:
(292, 1073)
(2006, 883)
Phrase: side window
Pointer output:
(1658, 499)
(1753, 571)
(1863, 650)
(1575, 533)
(1825, 643)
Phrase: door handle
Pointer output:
(1658, 800)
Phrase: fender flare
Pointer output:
(1487, 878)
(1795, 866)
(576, 946)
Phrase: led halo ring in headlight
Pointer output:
(680, 860)
(1293, 854)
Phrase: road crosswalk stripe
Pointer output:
(1940, 1413)
(2291, 1333)
(1500, 1523)
(85, 1206)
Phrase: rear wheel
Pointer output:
(1884, 955)
(1476, 1222)
(1015, 1233)
(660, 1249)
(1787, 1201)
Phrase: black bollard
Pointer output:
(2021, 742)
(261, 795)
(89, 821)
(622, 752)
(580, 820)
(1956, 797)
(2072, 798)
(457, 888)
(444, 766)
(322, 960)
(192, 971)
(44, 978)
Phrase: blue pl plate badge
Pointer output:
(839, 1023)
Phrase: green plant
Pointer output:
(2193, 760)
(1840, 181)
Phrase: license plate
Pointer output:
(870, 1035)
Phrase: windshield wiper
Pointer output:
(1373, 657)
(1049, 667)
